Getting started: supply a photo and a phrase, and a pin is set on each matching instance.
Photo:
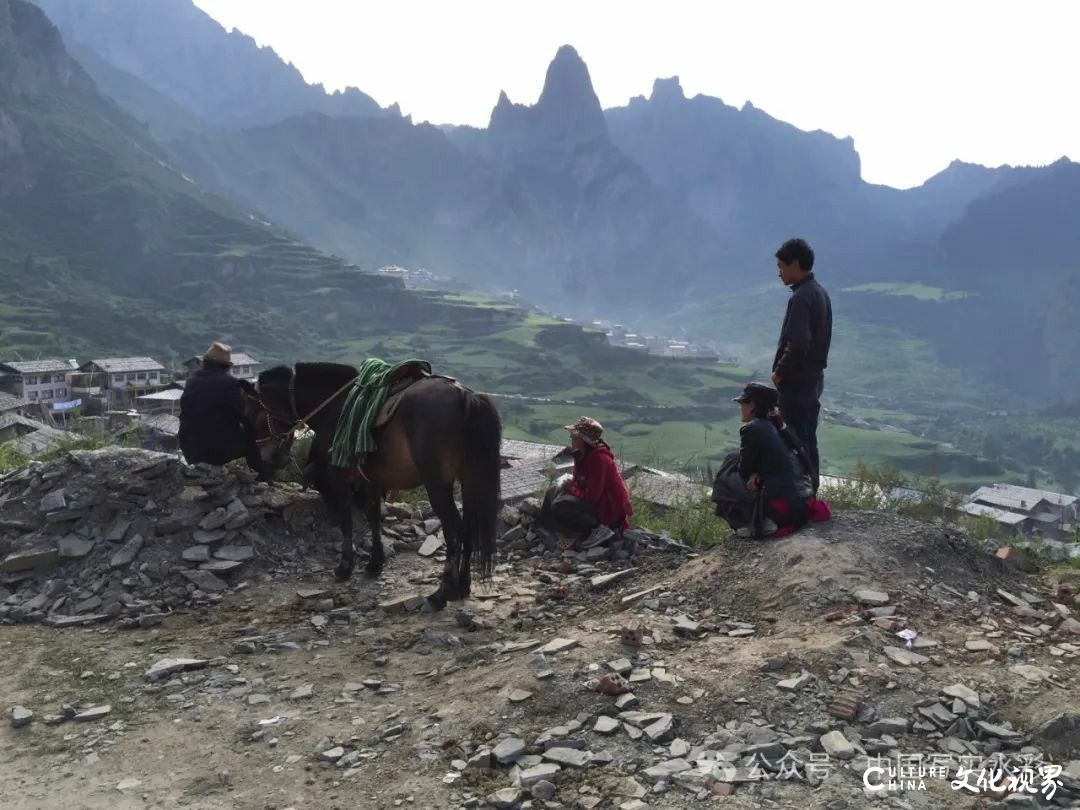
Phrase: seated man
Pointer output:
(774, 470)
(213, 426)
(596, 494)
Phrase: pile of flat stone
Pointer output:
(522, 536)
(132, 535)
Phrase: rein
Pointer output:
(297, 421)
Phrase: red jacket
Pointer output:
(598, 481)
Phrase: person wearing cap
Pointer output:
(213, 425)
(773, 462)
(595, 495)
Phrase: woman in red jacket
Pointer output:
(596, 495)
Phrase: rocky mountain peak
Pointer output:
(568, 110)
(33, 60)
(667, 90)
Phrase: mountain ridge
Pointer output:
(221, 76)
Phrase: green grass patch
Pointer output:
(921, 292)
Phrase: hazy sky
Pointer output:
(916, 83)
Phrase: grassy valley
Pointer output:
(677, 413)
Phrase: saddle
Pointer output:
(398, 383)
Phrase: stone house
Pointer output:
(245, 367)
(1049, 514)
(121, 379)
(37, 382)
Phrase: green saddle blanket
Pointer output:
(354, 436)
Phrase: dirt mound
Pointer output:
(826, 563)
(130, 533)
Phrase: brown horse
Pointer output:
(441, 434)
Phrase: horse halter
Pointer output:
(272, 418)
(296, 421)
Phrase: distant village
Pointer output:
(617, 334)
(44, 403)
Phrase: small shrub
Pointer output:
(887, 489)
(983, 527)
(10, 458)
(692, 521)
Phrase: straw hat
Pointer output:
(219, 353)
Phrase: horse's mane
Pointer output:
(334, 373)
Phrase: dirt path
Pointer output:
(410, 697)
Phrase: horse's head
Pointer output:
(270, 413)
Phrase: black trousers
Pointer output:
(800, 404)
(565, 514)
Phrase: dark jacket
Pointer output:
(762, 450)
(212, 424)
(597, 480)
(803, 351)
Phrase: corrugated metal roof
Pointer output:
(38, 366)
(242, 359)
(168, 395)
(120, 365)
(1000, 515)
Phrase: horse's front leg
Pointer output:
(373, 513)
(343, 498)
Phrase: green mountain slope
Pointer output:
(104, 245)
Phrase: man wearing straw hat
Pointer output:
(213, 426)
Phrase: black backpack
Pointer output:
(734, 502)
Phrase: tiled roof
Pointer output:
(529, 451)
(523, 480)
(1000, 515)
(664, 489)
(1035, 495)
(38, 366)
(40, 439)
(163, 423)
(120, 365)
(9, 403)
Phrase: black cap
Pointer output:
(759, 394)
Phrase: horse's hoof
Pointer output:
(343, 573)
(437, 601)
(372, 571)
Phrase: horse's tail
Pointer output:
(480, 481)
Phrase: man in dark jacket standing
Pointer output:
(213, 426)
(803, 350)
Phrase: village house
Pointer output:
(28, 437)
(120, 380)
(10, 404)
(244, 366)
(37, 382)
(1023, 509)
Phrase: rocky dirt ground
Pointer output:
(759, 674)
